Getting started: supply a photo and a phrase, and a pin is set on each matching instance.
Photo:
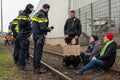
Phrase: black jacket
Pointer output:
(39, 25)
(13, 25)
(72, 27)
(110, 55)
(24, 23)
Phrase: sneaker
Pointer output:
(98, 72)
(78, 72)
(39, 71)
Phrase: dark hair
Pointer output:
(95, 37)
(20, 12)
(29, 6)
(72, 11)
(45, 6)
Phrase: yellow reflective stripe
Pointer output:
(15, 22)
(37, 20)
(46, 20)
(23, 18)
(34, 19)
(40, 20)
(17, 29)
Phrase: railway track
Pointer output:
(57, 73)
(54, 60)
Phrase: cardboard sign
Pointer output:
(71, 50)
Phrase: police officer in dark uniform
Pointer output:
(14, 28)
(24, 25)
(40, 28)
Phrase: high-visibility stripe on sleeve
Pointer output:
(39, 20)
(17, 29)
(23, 18)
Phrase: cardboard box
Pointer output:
(71, 50)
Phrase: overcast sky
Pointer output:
(11, 8)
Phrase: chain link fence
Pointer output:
(101, 17)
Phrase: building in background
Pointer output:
(57, 15)
(59, 12)
(97, 16)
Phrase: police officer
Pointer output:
(24, 32)
(40, 28)
(15, 30)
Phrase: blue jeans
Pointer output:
(97, 64)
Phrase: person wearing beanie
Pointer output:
(105, 58)
(25, 28)
(92, 49)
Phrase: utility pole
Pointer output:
(69, 6)
(1, 18)
(92, 23)
(109, 25)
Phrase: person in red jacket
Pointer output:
(7, 39)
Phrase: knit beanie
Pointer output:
(95, 37)
(109, 36)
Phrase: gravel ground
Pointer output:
(55, 62)
(59, 49)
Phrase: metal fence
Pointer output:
(100, 17)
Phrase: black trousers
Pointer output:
(71, 60)
(23, 49)
(7, 43)
(16, 51)
(27, 51)
(38, 50)
(68, 40)
(85, 59)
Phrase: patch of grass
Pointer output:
(7, 70)
(5, 60)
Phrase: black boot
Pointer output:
(39, 71)
(24, 68)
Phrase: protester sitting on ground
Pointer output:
(106, 57)
(91, 51)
